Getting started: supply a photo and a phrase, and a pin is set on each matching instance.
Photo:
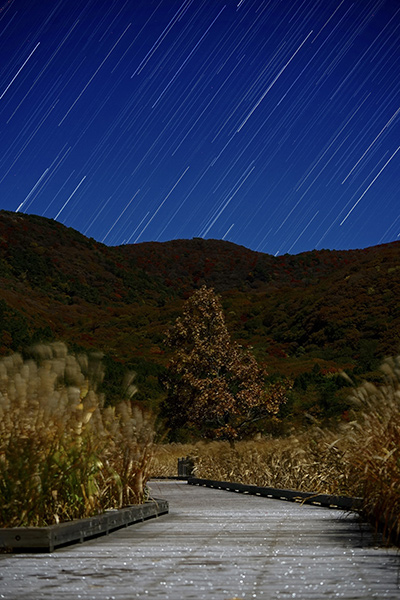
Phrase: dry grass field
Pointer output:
(64, 455)
(311, 461)
(361, 458)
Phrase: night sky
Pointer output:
(269, 123)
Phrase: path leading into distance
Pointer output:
(216, 545)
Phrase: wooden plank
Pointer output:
(215, 546)
(46, 539)
(325, 500)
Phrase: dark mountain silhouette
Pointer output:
(306, 316)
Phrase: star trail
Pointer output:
(273, 124)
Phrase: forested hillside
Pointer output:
(306, 316)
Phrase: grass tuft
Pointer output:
(375, 448)
(62, 454)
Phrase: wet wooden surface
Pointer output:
(218, 545)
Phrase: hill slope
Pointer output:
(332, 309)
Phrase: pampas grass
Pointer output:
(360, 459)
(62, 454)
(311, 461)
(374, 439)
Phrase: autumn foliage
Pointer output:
(214, 385)
(307, 316)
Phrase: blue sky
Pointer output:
(268, 123)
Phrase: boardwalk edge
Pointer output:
(326, 500)
(46, 539)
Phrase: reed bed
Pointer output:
(312, 461)
(63, 455)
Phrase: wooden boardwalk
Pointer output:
(216, 545)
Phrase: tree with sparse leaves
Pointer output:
(214, 386)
